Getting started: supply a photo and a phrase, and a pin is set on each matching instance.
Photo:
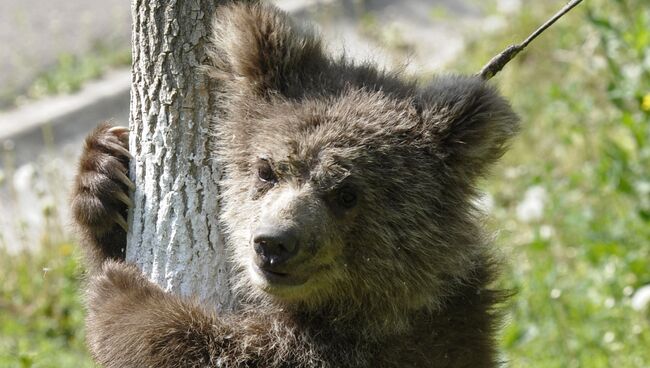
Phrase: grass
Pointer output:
(41, 318)
(570, 204)
(71, 72)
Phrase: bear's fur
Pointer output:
(372, 178)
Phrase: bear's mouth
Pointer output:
(273, 277)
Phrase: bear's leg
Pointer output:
(100, 197)
(133, 323)
(130, 322)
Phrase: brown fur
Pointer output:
(95, 206)
(397, 277)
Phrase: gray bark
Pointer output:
(174, 232)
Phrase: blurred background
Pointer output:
(569, 203)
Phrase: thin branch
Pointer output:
(498, 62)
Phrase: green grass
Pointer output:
(71, 72)
(41, 318)
(583, 92)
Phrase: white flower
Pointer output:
(24, 178)
(641, 298)
(532, 207)
(546, 231)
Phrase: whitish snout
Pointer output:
(285, 238)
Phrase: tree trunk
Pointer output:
(174, 232)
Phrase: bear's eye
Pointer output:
(346, 197)
(265, 173)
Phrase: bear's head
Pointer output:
(346, 186)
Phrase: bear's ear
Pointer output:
(469, 121)
(259, 49)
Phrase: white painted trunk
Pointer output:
(174, 232)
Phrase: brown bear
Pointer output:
(349, 199)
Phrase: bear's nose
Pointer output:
(274, 246)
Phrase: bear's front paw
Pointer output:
(101, 193)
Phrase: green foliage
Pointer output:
(41, 317)
(583, 92)
(71, 72)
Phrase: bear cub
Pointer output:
(349, 209)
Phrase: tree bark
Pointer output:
(174, 235)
